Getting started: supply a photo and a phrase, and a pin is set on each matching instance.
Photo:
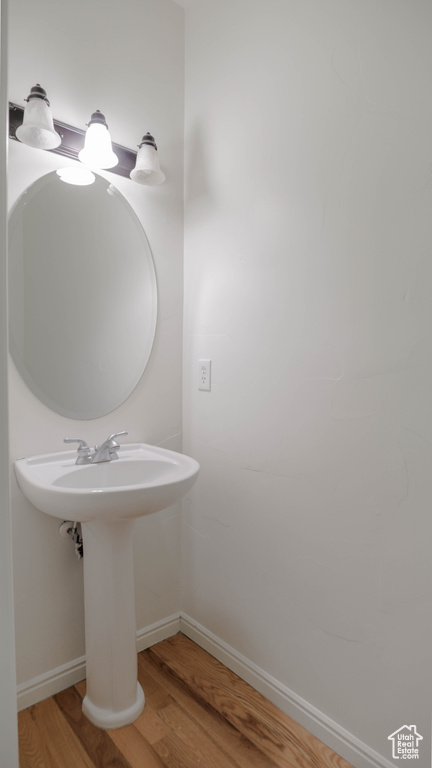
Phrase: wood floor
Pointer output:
(197, 713)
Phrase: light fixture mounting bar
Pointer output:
(72, 142)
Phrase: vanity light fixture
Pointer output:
(147, 169)
(37, 129)
(98, 151)
(35, 126)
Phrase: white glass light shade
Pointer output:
(97, 152)
(37, 129)
(147, 169)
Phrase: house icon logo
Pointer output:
(405, 743)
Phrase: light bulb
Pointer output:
(147, 169)
(97, 151)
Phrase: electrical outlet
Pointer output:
(204, 374)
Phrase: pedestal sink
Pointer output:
(106, 498)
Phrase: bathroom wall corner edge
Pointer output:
(8, 721)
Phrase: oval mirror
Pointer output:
(82, 295)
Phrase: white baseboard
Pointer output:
(51, 682)
(158, 631)
(328, 731)
(337, 738)
(56, 680)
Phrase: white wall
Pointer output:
(125, 59)
(306, 543)
(8, 724)
(307, 539)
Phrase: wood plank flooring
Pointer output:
(197, 713)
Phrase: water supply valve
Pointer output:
(73, 530)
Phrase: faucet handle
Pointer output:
(113, 445)
(82, 443)
(84, 452)
(117, 434)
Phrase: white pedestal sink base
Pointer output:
(106, 719)
(114, 698)
(106, 498)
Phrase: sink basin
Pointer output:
(144, 479)
(106, 499)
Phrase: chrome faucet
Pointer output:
(108, 450)
(105, 452)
